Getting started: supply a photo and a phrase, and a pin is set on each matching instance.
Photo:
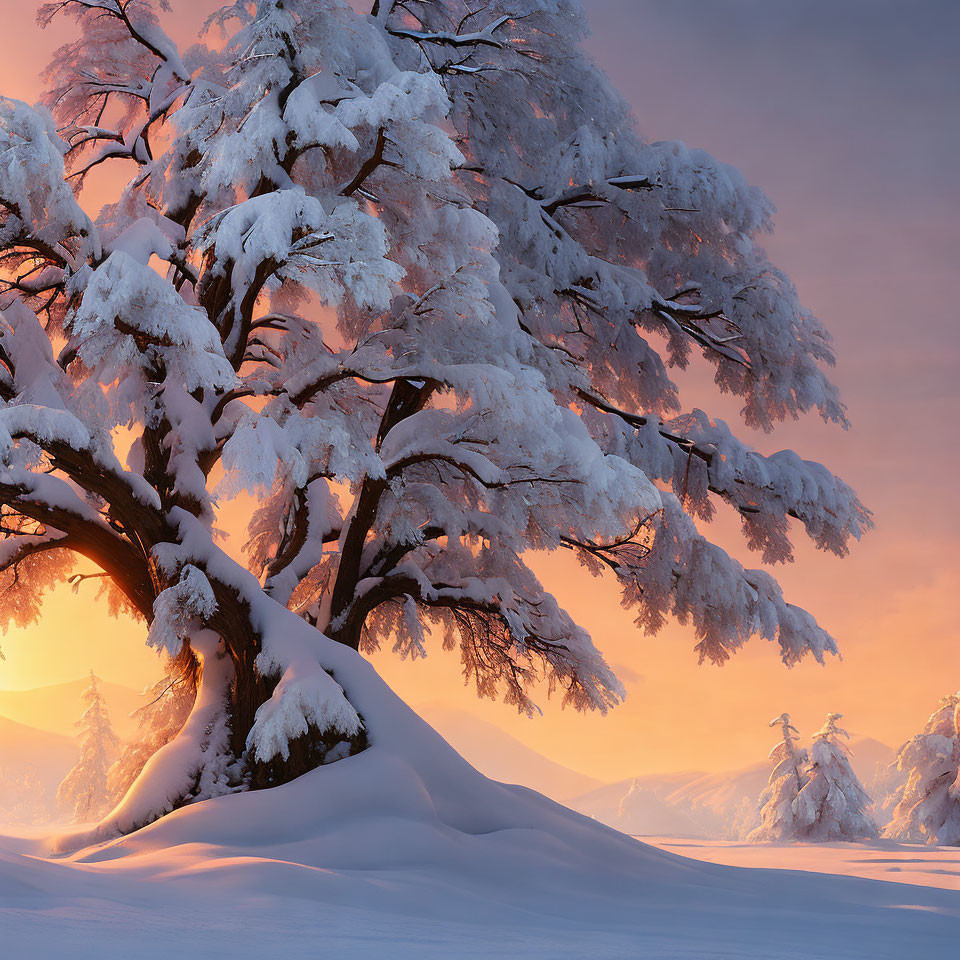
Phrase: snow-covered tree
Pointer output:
(778, 801)
(832, 804)
(386, 273)
(928, 803)
(84, 789)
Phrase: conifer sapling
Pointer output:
(778, 801)
(832, 804)
(84, 790)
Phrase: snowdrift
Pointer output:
(406, 851)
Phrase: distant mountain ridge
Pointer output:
(693, 803)
(56, 708)
(715, 805)
(21, 745)
(498, 755)
(32, 764)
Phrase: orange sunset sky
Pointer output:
(844, 118)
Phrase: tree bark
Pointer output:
(240, 689)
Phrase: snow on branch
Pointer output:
(504, 624)
(928, 802)
(305, 697)
(38, 211)
(137, 19)
(697, 455)
(132, 327)
(83, 791)
(778, 801)
(484, 37)
(686, 576)
(15, 548)
(832, 804)
(180, 609)
(288, 235)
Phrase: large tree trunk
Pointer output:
(212, 754)
(250, 689)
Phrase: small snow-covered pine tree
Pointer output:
(928, 803)
(84, 789)
(778, 801)
(832, 805)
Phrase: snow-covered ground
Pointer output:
(875, 860)
(358, 860)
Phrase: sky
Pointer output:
(846, 114)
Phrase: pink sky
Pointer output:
(848, 119)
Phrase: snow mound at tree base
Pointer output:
(406, 851)
(355, 861)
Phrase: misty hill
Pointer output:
(32, 764)
(692, 804)
(57, 708)
(715, 805)
(502, 757)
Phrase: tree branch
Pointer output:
(87, 536)
(369, 165)
(26, 545)
(478, 38)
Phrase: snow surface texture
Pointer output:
(406, 851)
(873, 860)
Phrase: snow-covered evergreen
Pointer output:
(832, 804)
(412, 296)
(778, 802)
(84, 790)
(928, 803)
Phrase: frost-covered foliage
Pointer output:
(928, 804)
(167, 707)
(778, 803)
(180, 609)
(832, 804)
(387, 274)
(84, 790)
